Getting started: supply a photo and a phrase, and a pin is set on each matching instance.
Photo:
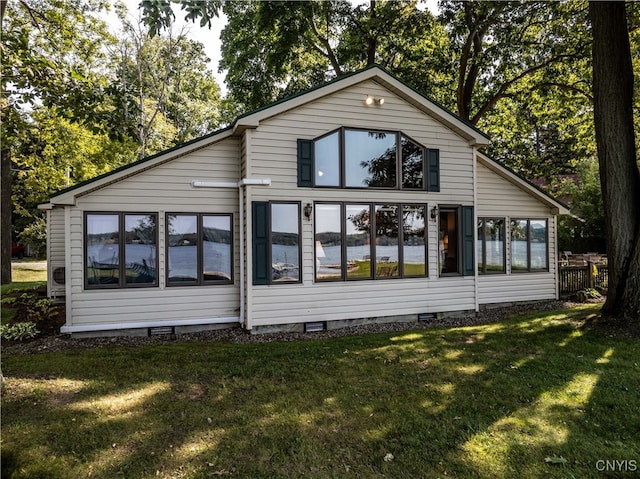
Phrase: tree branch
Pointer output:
(506, 85)
(562, 86)
(325, 41)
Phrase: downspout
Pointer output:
(240, 185)
(242, 272)
(475, 229)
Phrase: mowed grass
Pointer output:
(25, 276)
(533, 396)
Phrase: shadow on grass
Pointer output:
(486, 401)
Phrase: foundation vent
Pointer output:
(162, 330)
(315, 327)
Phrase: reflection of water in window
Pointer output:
(217, 257)
(328, 241)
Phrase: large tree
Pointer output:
(502, 47)
(169, 96)
(619, 173)
(271, 49)
(78, 102)
(51, 53)
(495, 63)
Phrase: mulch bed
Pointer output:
(54, 341)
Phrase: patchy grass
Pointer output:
(24, 277)
(25, 301)
(537, 395)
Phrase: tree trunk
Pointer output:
(6, 207)
(619, 173)
(372, 40)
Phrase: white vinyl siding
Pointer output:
(274, 155)
(55, 249)
(274, 148)
(164, 189)
(499, 198)
(265, 146)
(359, 299)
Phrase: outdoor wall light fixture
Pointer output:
(308, 209)
(434, 213)
(371, 100)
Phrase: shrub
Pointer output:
(592, 293)
(37, 309)
(35, 235)
(19, 331)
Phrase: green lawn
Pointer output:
(534, 396)
(25, 278)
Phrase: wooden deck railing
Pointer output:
(576, 278)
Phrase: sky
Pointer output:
(210, 38)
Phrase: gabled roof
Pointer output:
(469, 132)
(252, 119)
(522, 183)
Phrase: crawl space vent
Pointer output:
(315, 327)
(160, 330)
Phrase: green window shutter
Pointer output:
(260, 242)
(468, 247)
(305, 163)
(433, 169)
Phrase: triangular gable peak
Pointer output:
(468, 132)
(376, 73)
(526, 186)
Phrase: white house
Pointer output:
(358, 199)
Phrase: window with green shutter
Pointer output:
(365, 158)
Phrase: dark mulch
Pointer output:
(59, 342)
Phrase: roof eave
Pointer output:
(68, 196)
(470, 133)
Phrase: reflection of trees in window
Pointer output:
(490, 247)
(398, 249)
(414, 240)
(371, 159)
(111, 237)
(386, 222)
(382, 169)
(140, 249)
(529, 245)
(361, 221)
(140, 229)
(413, 221)
(519, 230)
(217, 235)
(412, 164)
(199, 249)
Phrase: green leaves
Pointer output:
(158, 15)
